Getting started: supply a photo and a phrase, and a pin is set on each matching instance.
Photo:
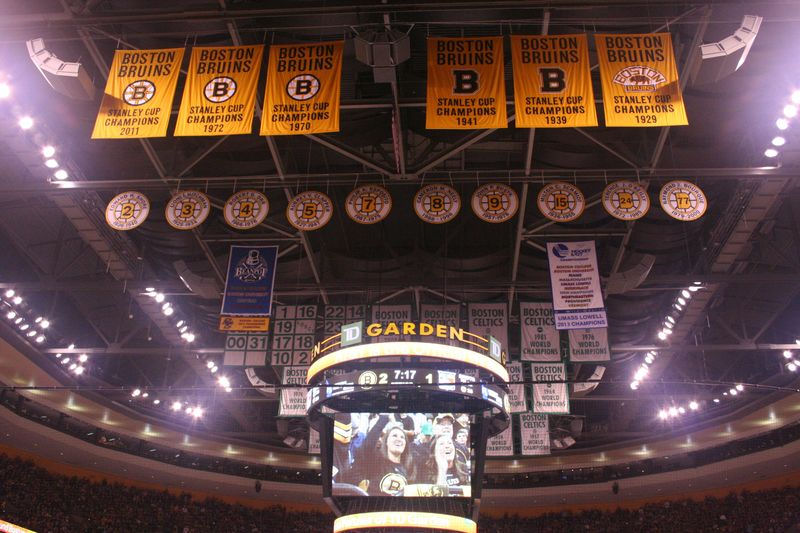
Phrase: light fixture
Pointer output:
(10, 315)
(58, 356)
(662, 336)
(740, 387)
(179, 324)
(145, 394)
(771, 152)
(681, 300)
(176, 406)
(681, 410)
(40, 339)
(65, 361)
(38, 319)
(23, 327)
(662, 414)
(693, 405)
(73, 366)
(670, 319)
(695, 288)
(189, 337)
(686, 294)
(679, 307)
(667, 331)
(150, 289)
(634, 385)
(160, 297)
(778, 141)
(168, 311)
(156, 401)
(214, 369)
(198, 412)
(223, 381)
(782, 123)
(648, 359)
(32, 333)
(209, 364)
(792, 367)
(189, 410)
(79, 370)
(5, 90)
(51, 163)
(17, 300)
(49, 150)
(733, 392)
(136, 393)
(10, 293)
(183, 329)
(673, 411)
(45, 324)
(26, 122)
(789, 111)
(83, 358)
(786, 353)
(60, 174)
(716, 400)
(669, 325)
(166, 306)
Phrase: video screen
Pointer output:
(408, 454)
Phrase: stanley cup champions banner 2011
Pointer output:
(552, 81)
(466, 90)
(303, 89)
(640, 80)
(138, 97)
(220, 93)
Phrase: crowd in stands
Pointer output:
(34, 498)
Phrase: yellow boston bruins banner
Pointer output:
(640, 80)
(303, 89)
(552, 81)
(138, 96)
(466, 90)
(220, 92)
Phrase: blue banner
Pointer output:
(251, 275)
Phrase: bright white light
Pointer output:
(223, 381)
(79, 370)
(159, 297)
(694, 288)
(634, 385)
(198, 412)
(648, 359)
(58, 356)
(40, 339)
(45, 324)
(165, 306)
(38, 319)
(23, 327)
(176, 406)
(83, 358)
(228, 389)
(778, 141)
(51, 163)
(667, 331)
(686, 294)
(716, 400)
(49, 150)
(662, 414)
(782, 123)
(26, 122)
(73, 366)
(150, 289)
(693, 405)
(65, 361)
(168, 311)
(71, 346)
(669, 325)
(32, 333)
(145, 395)
(733, 392)
(18, 320)
(670, 319)
(189, 410)
(209, 364)
(136, 393)
(61, 174)
(673, 411)
(10, 293)
(771, 152)
(189, 337)
(10, 315)
(17, 300)
(681, 410)
(789, 111)
(678, 307)
(179, 324)
(156, 401)
(681, 300)
(5, 90)
(792, 367)
(214, 369)
(740, 387)
(183, 329)
(786, 353)
(662, 336)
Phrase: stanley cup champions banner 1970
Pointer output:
(303, 89)
(552, 81)
(138, 97)
(220, 93)
(640, 80)
(466, 90)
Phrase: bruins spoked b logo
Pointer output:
(309, 210)
(139, 92)
(626, 200)
(393, 484)
(437, 203)
(683, 200)
(561, 201)
(127, 210)
(368, 204)
(246, 209)
(187, 209)
(220, 89)
(495, 202)
(303, 87)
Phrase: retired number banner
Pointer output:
(466, 90)
(640, 80)
(550, 398)
(220, 93)
(534, 432)
(303, 89)
(539, 338)
(552, 81)
(501, 444)
(138, 98)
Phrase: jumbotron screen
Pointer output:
(408, 454)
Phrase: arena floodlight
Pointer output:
(51, 163)
(694, 406)
(25, 122)
(5, 91)
(789, 110)
(11, 315)
(49, 150)
(83, 358)
(61, 174)
(740, 387)
(17, 300)
(176, 406)
(778, 140)
(10, 293)
(136, 393)
(79, 370)
(782, 123)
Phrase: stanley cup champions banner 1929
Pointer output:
(138, 97)
(466, 90)
(552, 81)
(639, 80)
(220, 93)
(303, 89)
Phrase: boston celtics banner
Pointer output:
(588, 345)
(501, 444)
(303, 89)
(549, 397)
(220, 93)
(539, 338)
(489, 319)
(465, 84)
(534, 433)
(448, 314)
(384, 314)
(293, 399)
(640, 80)
(552, 81)
(138, 98)
(516, 396)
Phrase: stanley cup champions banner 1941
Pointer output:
(552, 81)
(220, 93)
(138, 98)
(303, 89)
(466, 90)
(539, 338)
(640, 80)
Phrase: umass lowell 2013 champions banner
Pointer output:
(465, 84)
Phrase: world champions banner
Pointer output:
(640, 80)
(466, 90)
(138, 97)
(552, 81)
(303, 89)
(220, 92)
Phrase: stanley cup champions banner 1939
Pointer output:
(220, 93)
(640, 80)
(466, 90)
(552, 81)
(303, 89)
(138, 97)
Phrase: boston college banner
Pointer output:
(303, 89)
(138, 97)
(220, 93)
(640, 80)
(552, 81)
(466, 90)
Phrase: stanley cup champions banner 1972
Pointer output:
(138, 97)
(552, 81)
(303, 89)
(220, 93)
(466, 90)
(640, 80)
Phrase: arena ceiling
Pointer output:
(90, 281)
